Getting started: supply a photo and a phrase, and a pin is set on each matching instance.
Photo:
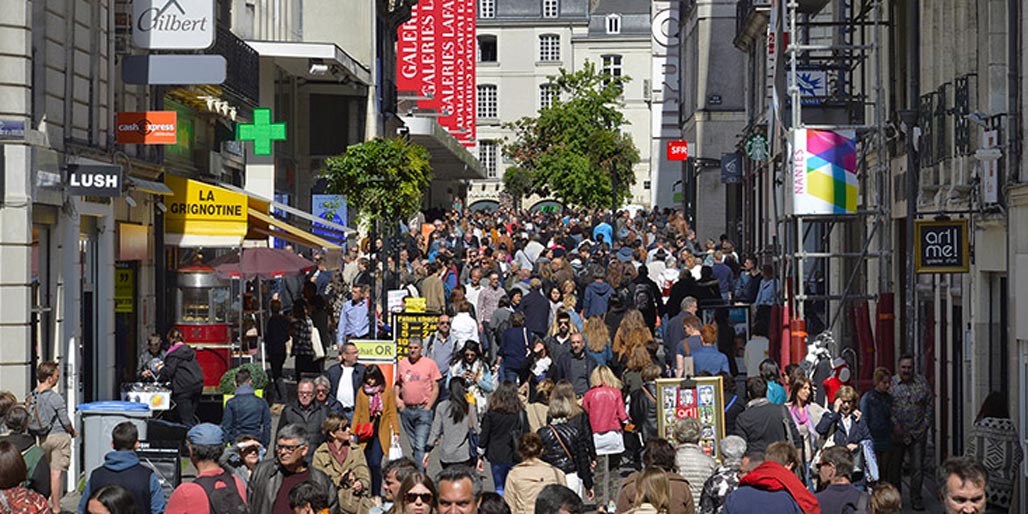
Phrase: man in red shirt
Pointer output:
(205, 446)
(416, 391)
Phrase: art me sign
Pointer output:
(941, 247)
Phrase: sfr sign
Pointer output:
(173, 24)
(677, 150)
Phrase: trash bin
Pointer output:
(98, 420)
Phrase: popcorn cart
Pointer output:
(203, 313)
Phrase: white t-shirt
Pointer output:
(345, 395)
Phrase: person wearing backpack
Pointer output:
(122, 468)
(17, 424)
(48, 421)
(215, 490)
(647, 298)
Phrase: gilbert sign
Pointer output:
(173, 24)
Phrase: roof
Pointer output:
(620, 7)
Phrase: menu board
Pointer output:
(700, 398)
(407, 325)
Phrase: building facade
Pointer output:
(514, 83)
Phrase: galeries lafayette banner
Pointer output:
(436, 59)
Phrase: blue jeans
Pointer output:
(417, 423)
(500, 472)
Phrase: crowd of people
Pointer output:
(550, 335)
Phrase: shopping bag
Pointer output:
(319, 349)
(395, 452)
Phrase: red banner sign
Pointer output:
(146, 128)
(677, 150)
(436, 61)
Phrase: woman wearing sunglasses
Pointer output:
(844, 426)
(417, 495)
(241, 458)
(469, 365)
(344, 464)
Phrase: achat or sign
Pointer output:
(147, 128)
(371, 349)
(88, 180)
(173, 24)
(677, 150)
(941, 247)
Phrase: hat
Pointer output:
(205, 434)
(624, 254)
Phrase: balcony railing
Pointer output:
(751, 18)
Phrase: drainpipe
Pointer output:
(910, 119)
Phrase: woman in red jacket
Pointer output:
(606, 408)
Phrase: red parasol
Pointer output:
(265, 263)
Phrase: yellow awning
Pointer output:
(265, 225)
(201, 214)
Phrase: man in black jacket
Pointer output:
(536, 308)
(763, 422)
(346, 390)
(306, 413)
(575, 366)
(272, 479)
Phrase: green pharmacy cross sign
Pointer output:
(262, 131)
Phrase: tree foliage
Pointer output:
(517, 182)
(575, 150)
(383, 179)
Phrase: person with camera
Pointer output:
(344, 463)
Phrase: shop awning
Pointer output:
(149, 186)
(450, 159)
(205, 215)
(296, 58)
(266, 225)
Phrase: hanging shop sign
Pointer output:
(824, 173)
(173, 24)
(262, 131)
(90, 180)
(124, 290)
(731, 168)
(941, 247)
(756, 147)
(167, 69)
(200, 214)
(147, 128)
(677, 150)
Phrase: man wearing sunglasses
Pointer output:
(839, 495)
(269, 487)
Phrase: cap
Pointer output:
(206, 434)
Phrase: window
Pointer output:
(486, 48)
(486, 101)
(487, 156)
(486, 8)
(549, 47)
(611, 66)
(548, 93)
(551, 8)
(613, 24)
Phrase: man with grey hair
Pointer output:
(306, 412)
(726, 478)
(674, 331)
(272, 479)
(693, 463)
(460, 491)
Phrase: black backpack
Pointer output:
(222, 500)
(642, 296)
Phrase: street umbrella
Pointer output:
(261, 262)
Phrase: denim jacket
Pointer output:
(246, 414)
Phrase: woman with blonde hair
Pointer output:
(567, 439)
(847, 428)
(653, 492)
(633, 320)
(606, 408)
(570, 302)
(637, 361)
(886, 499)
(597, 341)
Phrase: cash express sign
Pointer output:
(173, 24)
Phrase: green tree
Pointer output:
(575, 150)
(383, 179)
(517, 182)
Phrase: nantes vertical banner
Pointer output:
(824, 175)
(436, 61)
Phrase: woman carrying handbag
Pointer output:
(375, 422)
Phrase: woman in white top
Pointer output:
(463, 327)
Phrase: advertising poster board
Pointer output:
(407, 325)
(379, 353)
(698, 397)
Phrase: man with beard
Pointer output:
(575, 366)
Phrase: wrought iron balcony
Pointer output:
(751, 19)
